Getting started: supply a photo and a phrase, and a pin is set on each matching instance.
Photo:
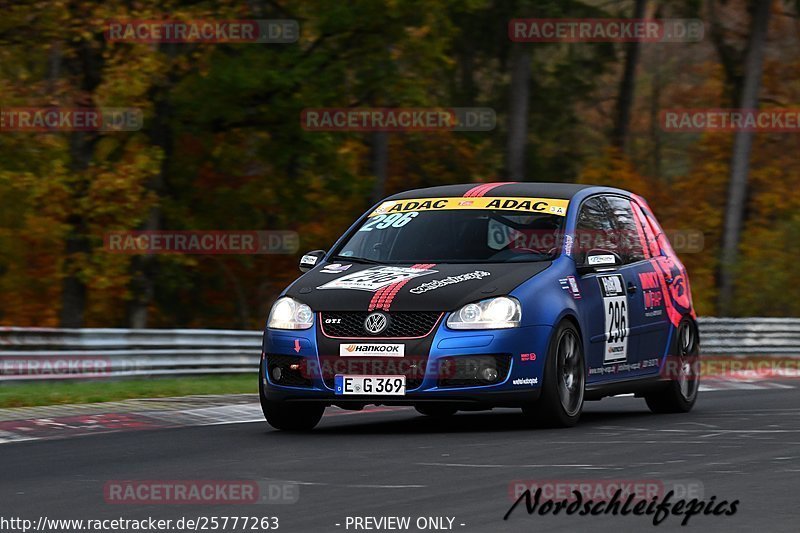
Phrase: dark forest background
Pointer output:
(223, 147)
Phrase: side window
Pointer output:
(627, 234)
(594, 228)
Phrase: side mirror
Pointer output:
(597, 259)
(310, 260)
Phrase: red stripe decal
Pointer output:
(383, 297)
(475, 190)
(481, 190)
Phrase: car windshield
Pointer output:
(455, 236)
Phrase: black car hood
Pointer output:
(347, 286)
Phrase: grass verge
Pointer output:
(31, 394)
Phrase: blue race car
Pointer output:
(461, 297)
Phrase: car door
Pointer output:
(607, 305)
(656, 318)
(647, 320)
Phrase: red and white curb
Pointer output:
(63, 421)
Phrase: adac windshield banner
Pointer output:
(503, 203)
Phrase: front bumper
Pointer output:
(525, 348)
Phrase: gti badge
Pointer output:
(376, 323)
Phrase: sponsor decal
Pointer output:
(527, 357)
(524, 205)
(651, 292)
(623, 367)
(611, 286)
(334, 268)
(308, 260)
(375, 278)
(615, 305)
(570, 284)
(568, 243)
(450, 280)
(599, 260)
(371, 350)
(525, 381)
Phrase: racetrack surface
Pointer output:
(740, 444)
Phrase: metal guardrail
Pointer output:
(750, 336)
(49, 353)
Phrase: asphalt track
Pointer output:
(740, 444)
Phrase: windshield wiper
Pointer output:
(356, 259)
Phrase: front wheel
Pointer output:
(682, 368)
(561, 400)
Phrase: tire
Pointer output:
(289, 416)
(436, 411)
(681, 393)
(564, 381)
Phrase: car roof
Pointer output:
(561, 191)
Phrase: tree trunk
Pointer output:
(73, 288)
(379, 162)
(518, 112)
(740, 160)
(622, 119)
(85, 69)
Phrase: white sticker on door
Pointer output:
(615, 307)
(375, 278)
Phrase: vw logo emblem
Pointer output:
(376, 323)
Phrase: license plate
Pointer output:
(370, 385)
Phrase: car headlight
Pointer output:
(494, 313)
(288, 313)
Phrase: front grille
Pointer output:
(462, 371)
(408, 324)
(292, 377)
